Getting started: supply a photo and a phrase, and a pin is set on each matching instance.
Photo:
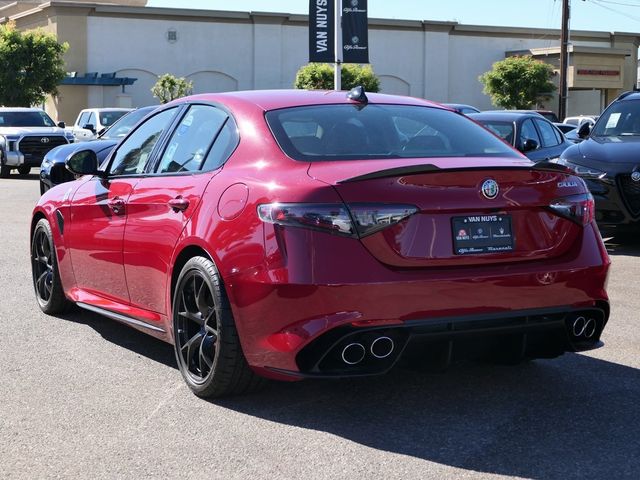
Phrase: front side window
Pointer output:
(379, 131)
(192, 139)
(549, 138)
(529, 132)
(134, 152)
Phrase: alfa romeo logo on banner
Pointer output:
(355, 37)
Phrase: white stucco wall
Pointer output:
(438, 62)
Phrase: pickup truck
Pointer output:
(92, 121)
(26, 135)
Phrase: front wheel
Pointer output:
(44, 267)
(206, 341)
(24, 169)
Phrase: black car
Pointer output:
(609, 161)
(462, 108)
(529, 132)
(53, 170)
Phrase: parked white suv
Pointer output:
(91, 121)
(26, 135)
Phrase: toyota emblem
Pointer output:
(490, 189)
(635, 176)
(44, 140)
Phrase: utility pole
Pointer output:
(564, 60)
(337, 72)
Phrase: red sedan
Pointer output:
(296, 234)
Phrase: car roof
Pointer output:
(274, 99)
(632, 95)
(503, 115)
(108, 109)
(20, 109)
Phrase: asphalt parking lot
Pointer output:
(85, 397)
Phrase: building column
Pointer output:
(436, 61)
(267, 51)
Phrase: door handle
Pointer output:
(116, 204)
(179, 204)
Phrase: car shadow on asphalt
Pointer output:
(30, 176)
(124, 336)
(572, 417)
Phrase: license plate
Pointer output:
(474, 234)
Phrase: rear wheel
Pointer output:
(24, 169)
(5, 170)
(44, 268)
(206, 341)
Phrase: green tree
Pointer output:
(169, 87)
(518, 82)
(319, 76)
(32, 66)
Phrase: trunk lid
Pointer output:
(448, 193)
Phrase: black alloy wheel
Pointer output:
(206, 342)
(44, 268)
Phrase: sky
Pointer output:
(599, 15)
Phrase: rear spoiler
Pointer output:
(544, 166)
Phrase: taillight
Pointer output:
(577, 208)
(357, 220)
(370, 218)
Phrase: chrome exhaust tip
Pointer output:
(353, 353)
(589, 328)
(382, 347)
(578, 326)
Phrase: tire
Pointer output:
(24, 170)
(206, 341)
(44, 270)
(5, 170)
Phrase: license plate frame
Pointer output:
(482, 234)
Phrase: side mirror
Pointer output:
(89, 126)
(584, 130)
(62, 124)
(529, 144)
(84, 162)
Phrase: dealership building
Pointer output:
(117, 50)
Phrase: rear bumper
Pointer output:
(286, 307)
(515, 335)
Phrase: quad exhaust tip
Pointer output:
(353, 353)
(583, 327)
(382, 347)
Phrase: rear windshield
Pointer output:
(25, 119)
(108, 118)
(505, 130)
(345, 132)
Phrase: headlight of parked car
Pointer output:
(581, 170)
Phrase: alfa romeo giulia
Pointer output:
(307, 234)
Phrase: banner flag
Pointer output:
(322, 31)
(355, 38)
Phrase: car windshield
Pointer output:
(344, 132)
(109, 118)
(124, 125)
(26, 119)
(620, 119)
(505, 130)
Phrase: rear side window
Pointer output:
(375, 131)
